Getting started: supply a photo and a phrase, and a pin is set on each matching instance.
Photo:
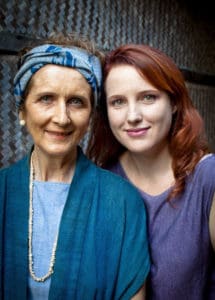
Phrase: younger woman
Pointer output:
(148, 131)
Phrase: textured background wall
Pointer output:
(183, 29)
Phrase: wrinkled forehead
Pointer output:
(85, 63)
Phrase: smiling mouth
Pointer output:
(137, 131)
(58, 134)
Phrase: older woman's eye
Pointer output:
(76, 101)
(46, 98)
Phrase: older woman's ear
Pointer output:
(21, 117)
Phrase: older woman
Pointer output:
(151, 134)
(69, 230)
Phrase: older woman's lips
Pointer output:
(137, 132)
(57, 134)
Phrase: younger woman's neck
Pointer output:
(148, 162)
(150, 173)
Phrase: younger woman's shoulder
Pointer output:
(205, 169)
(207, 163)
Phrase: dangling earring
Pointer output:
(22, 122)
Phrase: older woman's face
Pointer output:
(57, 109)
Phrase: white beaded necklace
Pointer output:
(30, 234)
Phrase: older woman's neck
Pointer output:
(53, 168)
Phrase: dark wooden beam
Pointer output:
(11, 44)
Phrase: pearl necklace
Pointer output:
(30, 234)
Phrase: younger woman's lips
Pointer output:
(137, 132)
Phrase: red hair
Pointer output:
(187, 141)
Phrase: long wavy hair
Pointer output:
(187, 139)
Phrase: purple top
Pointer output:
(183, 264)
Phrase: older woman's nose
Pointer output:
(61, 114)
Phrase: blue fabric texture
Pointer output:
(102, 250)
(87, 64)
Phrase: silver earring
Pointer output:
(22, 122)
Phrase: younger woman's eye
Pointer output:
(149, 98)
(117, 102)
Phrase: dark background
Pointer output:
(183, 29)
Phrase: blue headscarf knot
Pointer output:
(87, 64)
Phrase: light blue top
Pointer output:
(48, 202)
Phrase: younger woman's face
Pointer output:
(139, 114)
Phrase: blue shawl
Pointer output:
(102, 250)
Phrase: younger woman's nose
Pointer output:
(134, 115)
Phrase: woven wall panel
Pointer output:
(165, 24)
(14, 141)
(203, 99)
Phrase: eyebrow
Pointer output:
(115, 96)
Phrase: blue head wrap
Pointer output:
(87, 64)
